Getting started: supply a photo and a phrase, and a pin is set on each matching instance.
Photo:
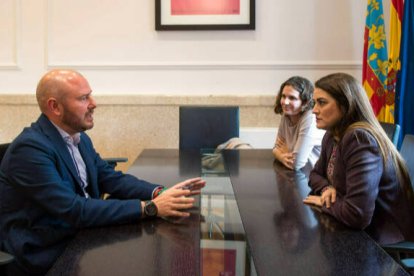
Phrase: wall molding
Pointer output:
(155, 100)
(14, 65)
(272, 65)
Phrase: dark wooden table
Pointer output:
(283, 236)
(287, 237)
(150, 247)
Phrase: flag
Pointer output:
(396, 11)
(404, 108)
(375, 60)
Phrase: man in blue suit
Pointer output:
(51, 180)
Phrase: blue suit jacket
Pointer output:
(41, 203)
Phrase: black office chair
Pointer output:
(3, 148)
(5, 258)
(399, 249)
(113, 161)
(393, 131)
(206, 127)
(406, 151)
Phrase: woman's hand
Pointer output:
(280, 151)
(313, 200)
(176, 198)
(288, 159)
(327, 198)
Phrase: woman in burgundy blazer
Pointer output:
(360, 178)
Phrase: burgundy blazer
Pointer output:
(368, 194)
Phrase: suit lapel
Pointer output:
(60, 146)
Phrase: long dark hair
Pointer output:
(357, 113)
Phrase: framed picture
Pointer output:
(204, 15)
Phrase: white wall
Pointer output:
(259, 137)
(114, 43)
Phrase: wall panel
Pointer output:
(116, 46)
(9, 34)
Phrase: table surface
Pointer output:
(249, 220)
(290, 237)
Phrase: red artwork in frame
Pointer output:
(204, 15)
(193, 7)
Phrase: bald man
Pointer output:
(51, 180)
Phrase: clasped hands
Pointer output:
(177, 198)
(327, 198)
(285, 157)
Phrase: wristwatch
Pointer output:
(150, 209)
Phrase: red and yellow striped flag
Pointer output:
(394, 65)
(375, 60)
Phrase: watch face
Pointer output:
(150, 209)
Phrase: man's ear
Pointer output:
(53, 106)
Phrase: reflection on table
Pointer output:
(223, 244)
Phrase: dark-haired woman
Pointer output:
(360, 178)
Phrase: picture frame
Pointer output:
(173, 15)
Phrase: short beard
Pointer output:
(74, 123)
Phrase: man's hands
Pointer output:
(176, 198)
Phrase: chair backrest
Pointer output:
(207, 126)
(5, 258)
(3, 148)
(113, 161)
(407, 152)
(392, 130)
